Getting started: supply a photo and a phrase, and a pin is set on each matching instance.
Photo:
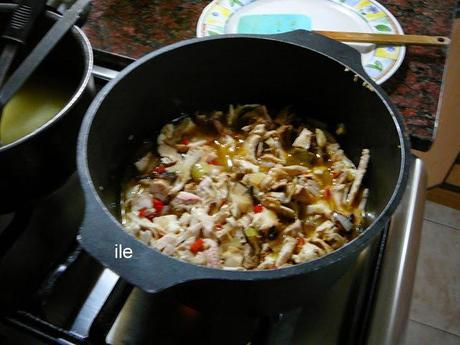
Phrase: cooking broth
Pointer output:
(37, 102)
(245, 190)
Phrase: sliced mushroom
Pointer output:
(344, 222)
(275, 205)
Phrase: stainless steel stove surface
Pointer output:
(80, 302)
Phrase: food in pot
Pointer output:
(245, 190)
(32, 106)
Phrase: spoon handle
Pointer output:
(363, 37)
(23, 19)
(41, 50)
(17, 30)
(7, 57)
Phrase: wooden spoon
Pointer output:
(391, 39)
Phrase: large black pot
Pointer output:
(42, 160)
(309, 71)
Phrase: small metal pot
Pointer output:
(322, 77)
(41, 161)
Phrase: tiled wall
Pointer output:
(435, 311)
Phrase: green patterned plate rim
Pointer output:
(381, 64)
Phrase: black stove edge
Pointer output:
(392, 303)
(42, 330)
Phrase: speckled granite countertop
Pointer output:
(135, 27)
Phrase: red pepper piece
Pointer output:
(158, 205)
(197, 246)
(327, 193)
(143, 212)
(214, 162)
(185, 141)
(258, 208)
(159, 169)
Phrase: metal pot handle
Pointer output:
(336, 50)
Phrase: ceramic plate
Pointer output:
(380, 62)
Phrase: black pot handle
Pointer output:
(336, 50)
(148, 269)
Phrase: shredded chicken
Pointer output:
(308, 252)
(362, 167)
(240, 191)
(303, 140)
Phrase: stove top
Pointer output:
(80, 302)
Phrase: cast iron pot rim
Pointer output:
(205, 273)
(87, 51)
